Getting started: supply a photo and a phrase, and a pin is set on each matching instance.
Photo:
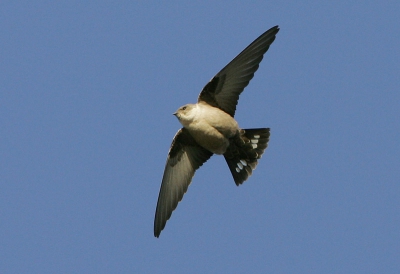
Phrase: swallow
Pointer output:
(209, 128)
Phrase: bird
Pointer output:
(209, 128)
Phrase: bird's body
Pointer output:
(209, 128)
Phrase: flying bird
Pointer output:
(209, 128)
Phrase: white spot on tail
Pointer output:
(237, 170)
(254, 145)
(254, 141)
(257, 136)
(243, 162)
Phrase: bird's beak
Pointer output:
(175, 113)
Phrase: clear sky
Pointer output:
(87, 93)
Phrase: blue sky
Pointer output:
(87, 93)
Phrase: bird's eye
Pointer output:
(183, 108)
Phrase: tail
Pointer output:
(244, 151)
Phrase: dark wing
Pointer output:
(224, 89)
(184, 158)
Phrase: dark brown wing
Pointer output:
(184, 158)
(224, 89)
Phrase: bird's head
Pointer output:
(186, 114)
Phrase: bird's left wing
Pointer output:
(184, 158)
(225, 87)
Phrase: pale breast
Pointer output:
(212, 128)
(210, 138)
(218, 119)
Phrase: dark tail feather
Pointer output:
(244, 151)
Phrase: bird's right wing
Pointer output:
(225, 87)
(184, 158)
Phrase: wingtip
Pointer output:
(275, 29)
(157, 231)
(158, 226)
